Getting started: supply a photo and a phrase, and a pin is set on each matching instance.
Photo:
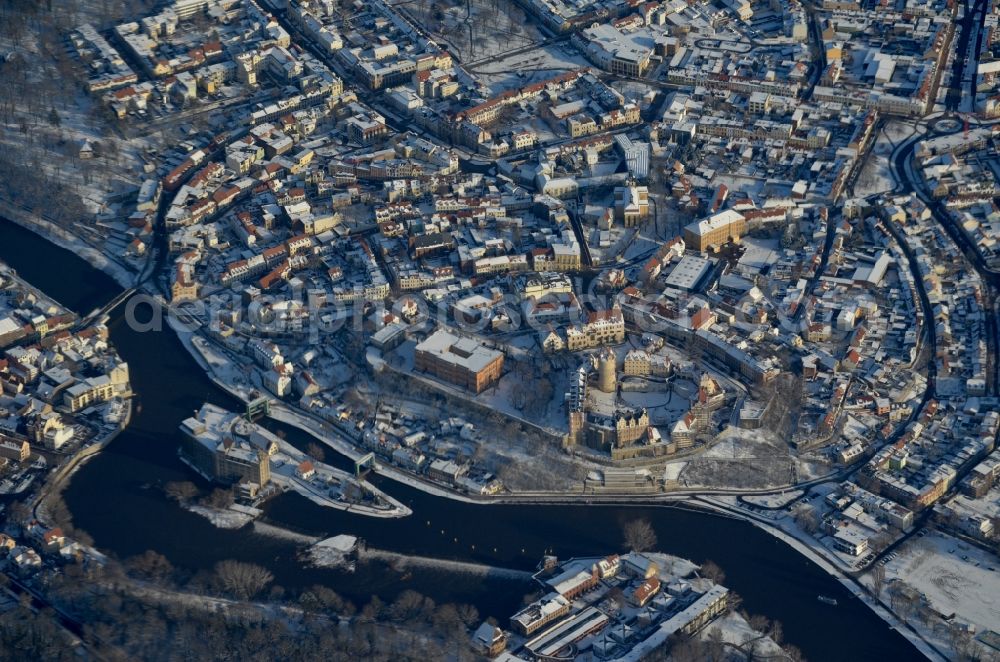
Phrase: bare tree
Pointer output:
(219, 498)
(807, 519)
(469, 614)
(150, 565)
(881, 541)
(961, 642)
(777, 632)
(759, 622)
(181, 490)
(241, 580)
(446, 618)
(519, 396)
(316, 452)
(410, 606)
(19, 512)
(711, 570)
(373, 610)
(902, 601)
(321, 598)
(878, 580)
(639, 535)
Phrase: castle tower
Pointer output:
(607, 377)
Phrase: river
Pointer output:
(117, 498)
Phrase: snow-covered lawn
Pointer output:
(875, 176)
(674, 566)
(734, 443)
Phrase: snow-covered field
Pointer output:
(954, 576)
(735, 443)
(530, 67)
(876, 176)
(735, 629)
(673, 565)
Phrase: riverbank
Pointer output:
(395, 509)
(307, 423)
(31, 228)
(329, 435)
(56, 481)
(810, 549)
(116, 500)
(61, 237)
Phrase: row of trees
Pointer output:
(137, 610)
(246, 582)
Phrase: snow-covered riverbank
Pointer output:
(809, 549)
(394, 508)
(67, 240)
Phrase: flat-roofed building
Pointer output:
(223, 454)
(689, 273)
(539, 613)
(460, 361)
(577, 578)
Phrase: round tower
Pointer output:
(607, 377)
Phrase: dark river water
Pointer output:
(117, 498)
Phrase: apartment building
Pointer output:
(87, 392)
(12, 449)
